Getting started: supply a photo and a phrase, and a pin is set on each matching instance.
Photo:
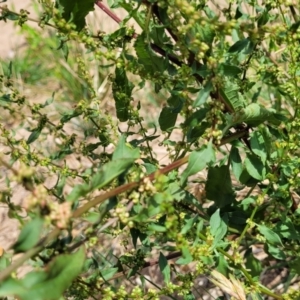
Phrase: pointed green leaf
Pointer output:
(29, 235)
(11, 287)
(108, 273)
(253, 265)
(122, 89)
(255, 167)
(236, 162)
(257, 143)
(76, 11)
(188, 225)
(49, 284)
(34, 135)
(263, 18)
(147, 58)
(164, 267)
(254, 114)
(218, 226)
(286, 229)
(123, 157)
(238, 46)
(59, 274)
(167, 119)
(230, 94)
(229, 70)
(186, 257)
(203, 94)
(11, 16)
(198, 160)
(223, 266)
(156, 228)
(272, 237)
(124, 150)
(276, 252)
(219, 187)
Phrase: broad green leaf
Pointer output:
(218, 226)
(236, 162)
(186, 257)
(286, 229)
(10, 16)
(200, 69)
(196, 117)
(255, 167)
(65, 50)
(253, 264)
(276, 252)
(239, 46)
(263, 18)
(229, 70)
(198, 160)
(205, 33)
(271, 237)
(124, 150)
(294, 266)
(6, 98)
(219, 187)
(203, 94)
(49, 284)
(70, 115)
(293, 28)
(34, 135)
(223, 266)
(247, 202)
(159, 36)
(257, 143)
(92, 217)
(117, 36)
(108, 273)
(5, 261)
(122, 89)
(195, 132)
(209, 12)
(147, 58)
(176, 102)
(164, 267)
(232, 97)
(150, 168)
(238, 13)
(123, 158)
(247, 179)
(105, 175)
(189, 296)
(167, 119)
(268, 139)
(11, 287)
(59, 274)
(135, 234)
(29, 235)
(254, 114)
(76, 11)
(188, 225)
(156, 228)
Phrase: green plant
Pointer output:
(231, 112)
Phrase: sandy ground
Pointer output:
(10, 39)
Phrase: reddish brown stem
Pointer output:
(108, 12)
